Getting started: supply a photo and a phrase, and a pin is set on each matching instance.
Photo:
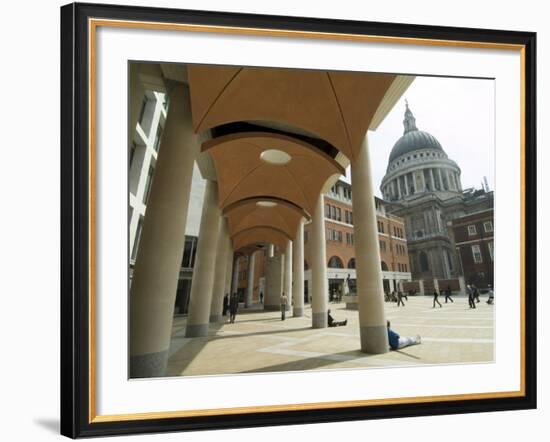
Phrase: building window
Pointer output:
(158, 138)
(384, 266)
(476, 252)
(142, 110)
(148, 184)
(132, 152)
(488, 226)
(189, 252)
(339, 214)
(382, 246)
(351, 263)
(335, 263)
(472, 230)
(424, 265)
(490, 247)
(137, 238)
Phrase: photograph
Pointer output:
(278, 221)
(292, 220)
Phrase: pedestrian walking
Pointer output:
(476, 293)
(284, 302)
(261, 297)
(225, 304)
(470, 293)
(400, 299)
(233, 307)
(448, 294)
(436, 295)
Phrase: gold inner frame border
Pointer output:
(93, 24)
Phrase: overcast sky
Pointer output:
(458, 112)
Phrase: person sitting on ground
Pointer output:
(397, 342)
(333, 323)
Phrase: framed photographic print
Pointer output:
(279, 220)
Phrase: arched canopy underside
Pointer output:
(335, 106)
(260, 235)
(278, 214)
(243, 174)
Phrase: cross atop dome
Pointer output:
(409, 122)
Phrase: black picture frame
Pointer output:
(75, 220)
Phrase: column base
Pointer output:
(297, 312)
(374, 339)
(216, 318)
(319, 320)
(150, 365)
(196, 330)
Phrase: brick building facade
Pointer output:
(474, 241)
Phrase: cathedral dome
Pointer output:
(413, 139)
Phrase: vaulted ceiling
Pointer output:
(270, 176)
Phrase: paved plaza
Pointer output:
(260, 342)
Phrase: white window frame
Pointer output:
(490, 246)
(490, 224)
(476, 251)
(472, 230)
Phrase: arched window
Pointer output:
(351, 263)
(424, 265)
(335, 263)
(306, 265)
(384, 266)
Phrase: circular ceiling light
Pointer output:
(275, 156)
(266, 204)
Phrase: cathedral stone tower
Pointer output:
(423, 186)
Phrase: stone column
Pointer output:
(273, 282)
(432, 179)
(202, 284)
(229, 268)
(287, 285)
(298, 271)
(462, 285)
(218, 291)
(423, 180)
(319, 280)
(449, 181)
(421, 287)
(235, 280)
(158, 261)
(406, 185)
(370, 290)
(270, 251)
(440, 179)
(250, 281)
(398, 187)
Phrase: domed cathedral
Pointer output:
(422, 185)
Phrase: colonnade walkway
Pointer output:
(259, 341)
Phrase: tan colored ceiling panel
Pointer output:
(359, 95)
(260, 235)
(299, 98)
(206, 83)
(247, 214)
(242, 174)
